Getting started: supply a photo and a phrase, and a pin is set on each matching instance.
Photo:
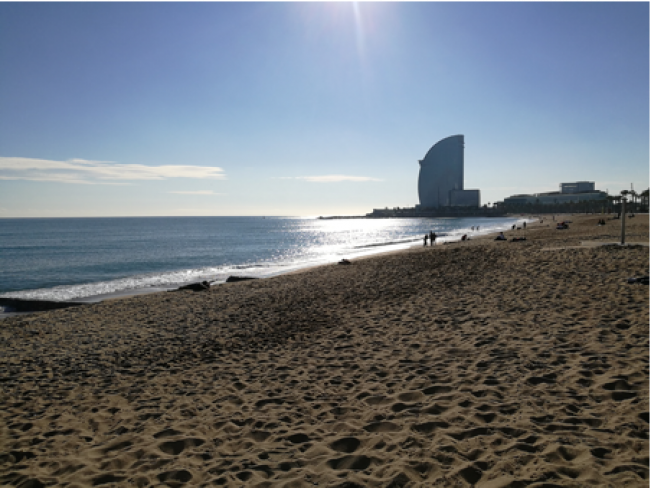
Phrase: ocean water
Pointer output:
(75, 258)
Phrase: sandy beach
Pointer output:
(482, 363)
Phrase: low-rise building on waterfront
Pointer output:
(580, 191)
(577, 187)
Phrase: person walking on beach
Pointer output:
(524, 225)
(433, 238)
(425, 240)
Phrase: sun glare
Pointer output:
(358, 29)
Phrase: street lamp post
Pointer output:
(623, 201)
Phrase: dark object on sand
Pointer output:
(204, 285)
(517, 239)
(234, 279)
(21, 305)
(643, 280)
(344, 261)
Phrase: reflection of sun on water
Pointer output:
(351, 233)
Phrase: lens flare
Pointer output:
(358, 27)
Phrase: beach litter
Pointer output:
(644, 280)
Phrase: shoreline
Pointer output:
(482, 363)
(45, 304)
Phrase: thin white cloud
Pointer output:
(196, 192)
(81, 171)
(329, 178)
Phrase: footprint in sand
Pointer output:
(428, 427)
(486, 417)
(399, 407)
(436, 389)
(411, 396)
(298, 438)
(107, 478)
(621, 390)
(177, 447)
(537, 380)
(182, 476)
(383, 427)
(167, 433)
(471, 474)
(350, 462)
(346, 444)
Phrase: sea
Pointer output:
(89, 259)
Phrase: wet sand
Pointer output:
(483, 363)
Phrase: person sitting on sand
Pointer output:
(501, 237)
(464, 238)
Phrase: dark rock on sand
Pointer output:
(21, 305)
(204, 285)
(644, 280)
(233, 279)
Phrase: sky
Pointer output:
(307, 109)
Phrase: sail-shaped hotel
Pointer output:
(441, 176)
(440, 186)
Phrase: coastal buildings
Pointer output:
(579, 191)
(577, 187)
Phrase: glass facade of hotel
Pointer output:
(441, 171)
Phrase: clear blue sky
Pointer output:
(110, 109)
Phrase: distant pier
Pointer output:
(413, 212)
